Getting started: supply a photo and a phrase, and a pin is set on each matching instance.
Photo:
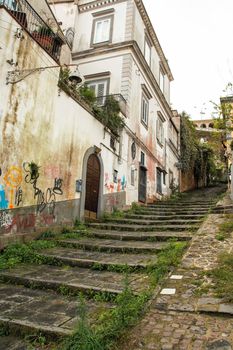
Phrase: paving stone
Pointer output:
(176, 277)
(219, 345)
(168, 291)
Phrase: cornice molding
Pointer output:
(132, 46)
(154, 37)
(97, 4)
(149, 27)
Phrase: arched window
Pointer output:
(211, 125)
(203, 126)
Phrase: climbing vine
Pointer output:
(195, 156)
(188, 143)
(108, 113)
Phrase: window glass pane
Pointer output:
(161, 81)
(102, 31)
(145, 110)
(147, 52)
(98, 32)
(106, 30)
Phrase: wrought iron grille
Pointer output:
(27, 17)
(100, 100)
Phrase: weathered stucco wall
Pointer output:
(40, 124)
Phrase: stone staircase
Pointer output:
(39, 297)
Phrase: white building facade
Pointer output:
(119, 54)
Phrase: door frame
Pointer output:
(100, 209)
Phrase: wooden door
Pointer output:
(92, 186)
(142, 184)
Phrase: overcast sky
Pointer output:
(197, 39)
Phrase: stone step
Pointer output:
(86, 258)
(179, 206)
(12, 343)
(152, 222)
(72, 280)
(114, 246)
(168, 216)
(28, 311)
(141, 236)
(142, 228)
(172, 211)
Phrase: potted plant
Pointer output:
(45, 36)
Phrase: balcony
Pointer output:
(118, 97)
(29, 20)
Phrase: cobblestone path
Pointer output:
(31, 295)
(186, 315)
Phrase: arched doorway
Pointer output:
(92, 186)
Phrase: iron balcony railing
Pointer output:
(28, 18)
(100, 100)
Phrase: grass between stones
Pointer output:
(112, 324)
(24, 253)
(226, 228)
(222, 277)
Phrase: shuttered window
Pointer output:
(100, 87)
(159, 181)
(145, 110)
(160, 131)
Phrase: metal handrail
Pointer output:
(29, 19)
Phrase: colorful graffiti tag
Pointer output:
(13, 179)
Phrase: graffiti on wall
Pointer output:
(13, 179)
(44, 198)
(11, 194)
(112, 187)
(5, 219)
(11, 189)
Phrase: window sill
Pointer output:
(103, 43)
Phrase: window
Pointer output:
(142, 158)
(159, 181)
(102, 30)
(115, 175)
(113, 142)
(171, 179)
(100, 87)
(161, 80)
(147, 51)
(160, 129)
(145, 110)
(164, 178)
(132, 177)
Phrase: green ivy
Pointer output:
(108, 114)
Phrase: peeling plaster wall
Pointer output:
(40, 124)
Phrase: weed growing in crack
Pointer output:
(24, 253)
(222, 277)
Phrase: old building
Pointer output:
(119, 54)
(59, 160)
(52, 146)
